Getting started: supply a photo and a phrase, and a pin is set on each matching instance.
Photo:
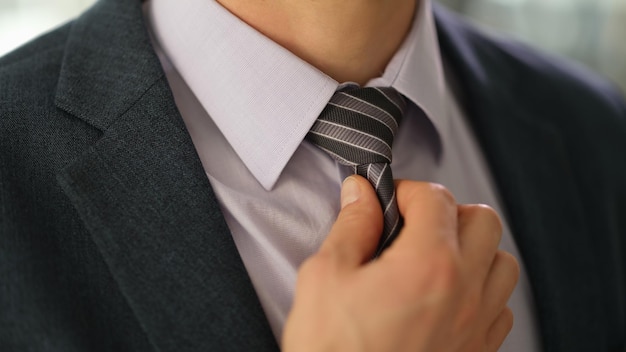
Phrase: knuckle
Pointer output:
(508, 319)
(511, 264)
(493, 217)
(443, 193)
(487, 216)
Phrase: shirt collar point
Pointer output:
(268, 175)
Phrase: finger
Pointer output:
(430, 216)
(480, 231)
(499, 330)
(355, 235)
(501, 281)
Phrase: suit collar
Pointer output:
(109, 63)
(531, 166)
(143, 195)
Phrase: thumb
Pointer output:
(355, 235)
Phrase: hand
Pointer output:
(441, 286)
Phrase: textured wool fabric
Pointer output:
(110, 235)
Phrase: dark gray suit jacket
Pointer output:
(111, 238)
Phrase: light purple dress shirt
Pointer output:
(248, 103)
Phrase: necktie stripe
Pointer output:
(380, 176)
(395, 229)
(359, 121)
(351, 152)
(375, 174)
(340, 159)
(363, 170)
(372, 176)
(358, 106)
(389, 206)
(385, 188)
(381, 101)
(355, 108)
(373, 97)
(356, 128)
(351, 136)
(393, 97)
(355, 153)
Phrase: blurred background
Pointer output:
(592, 32)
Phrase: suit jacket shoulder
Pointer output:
(110, 236)
(31, 71)
(554, 135)
(56, 292)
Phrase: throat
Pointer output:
(350, 41)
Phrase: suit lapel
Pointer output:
(531, 167)
(144, 197)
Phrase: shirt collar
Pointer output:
(416, 70)
(262, 97)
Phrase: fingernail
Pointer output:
(350, 191)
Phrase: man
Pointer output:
(114, 239)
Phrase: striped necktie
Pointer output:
(357, 128)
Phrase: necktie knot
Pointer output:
(358, 125)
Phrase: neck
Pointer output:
(349, 40)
